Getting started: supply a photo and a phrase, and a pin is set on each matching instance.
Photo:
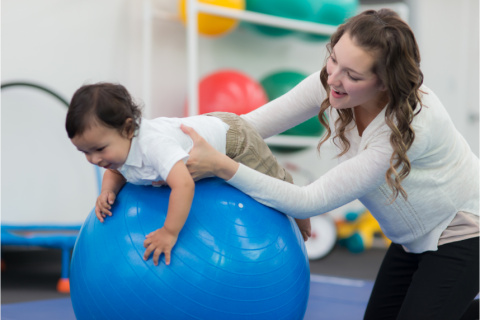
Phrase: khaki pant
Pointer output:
(246, 146)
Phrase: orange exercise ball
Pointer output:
(210, 25)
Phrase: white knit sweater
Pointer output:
(444, 178)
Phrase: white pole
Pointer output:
(147, 58)
(268, 20)
(192, 57)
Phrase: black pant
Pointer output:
(432, 285)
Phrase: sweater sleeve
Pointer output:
(296, 106)
(344, 183)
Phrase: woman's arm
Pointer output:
(346, 182)
(296, 106)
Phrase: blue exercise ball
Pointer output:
(234, 259)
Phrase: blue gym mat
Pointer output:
(337, 298)
(330, 299)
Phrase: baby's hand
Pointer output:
(159, 241)
(305, 228)
(104, 204)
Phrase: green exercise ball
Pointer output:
(331, 12)
(279, 83)
(293, 9)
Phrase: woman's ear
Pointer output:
(129, 128)
(382, 87)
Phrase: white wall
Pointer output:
(45, 180)
(64, 44)
(447, 34)
(60, 44)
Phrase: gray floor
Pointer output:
(32, 274)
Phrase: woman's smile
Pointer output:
(337, 93)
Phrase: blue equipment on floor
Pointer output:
(330, 298)
(234, 259)
(62, 237)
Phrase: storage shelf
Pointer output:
(194, 7)
(292, 141)
(268, 20)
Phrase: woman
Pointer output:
(399, 154)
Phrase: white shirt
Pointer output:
(160, 143)
(444, 178)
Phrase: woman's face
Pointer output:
(350, 77)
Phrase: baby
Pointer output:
(105, 124)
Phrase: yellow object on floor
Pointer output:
(357, 233)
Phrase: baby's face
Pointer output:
(103, 146)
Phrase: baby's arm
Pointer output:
(112, 182)
(162, 240)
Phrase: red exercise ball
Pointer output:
(230, 91)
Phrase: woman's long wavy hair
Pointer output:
(397, 64)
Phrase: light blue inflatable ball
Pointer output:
(234, 259)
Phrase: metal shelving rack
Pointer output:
(193, 8)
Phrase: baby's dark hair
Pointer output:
(107, 103)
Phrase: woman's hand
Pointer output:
(205, 161)
(304, 227)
